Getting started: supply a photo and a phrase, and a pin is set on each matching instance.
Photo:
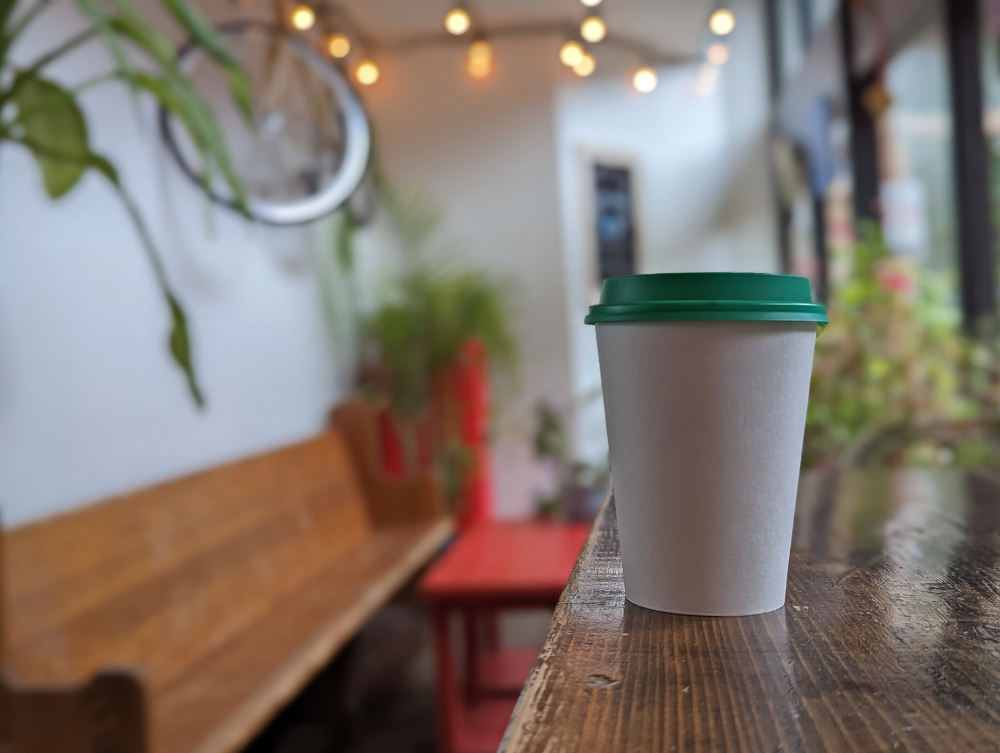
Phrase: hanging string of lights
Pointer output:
(338, 35)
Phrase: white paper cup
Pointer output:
(705, 425)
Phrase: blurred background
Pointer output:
(220, 221)
(504, 166)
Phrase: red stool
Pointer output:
(492, 566)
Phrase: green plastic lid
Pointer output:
(719, 296)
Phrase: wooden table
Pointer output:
(493, 565)
(889, 638)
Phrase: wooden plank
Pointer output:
(162, 576)
(209, 709)
(221, 594)
(391, 501)
(889, 639)
(107, 715)
(62, 567)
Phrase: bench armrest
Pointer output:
(391, 501)
(106, 714)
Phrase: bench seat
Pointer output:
(218, 596)
(303, 629)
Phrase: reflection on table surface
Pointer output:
(888, 640)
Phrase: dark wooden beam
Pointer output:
(819, 241)
(782, 214)
(864, 147)
(972, 159)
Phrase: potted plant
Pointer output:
(893, 354)
(438, 333)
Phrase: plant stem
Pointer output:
(68, 46)
(179, 349)
(96, 81)
(7, 39)
(24, 21)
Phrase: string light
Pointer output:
(717, 53)
(338, 45)
(591, 3)
(367, 72)
(645, 79)
(571, 53)
(722, 22)
(479, 62)
(593, 29)
(303, 17)
(457, 21)
(586, 66)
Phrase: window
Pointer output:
(615, 228)
(991, 113)
(917, 192)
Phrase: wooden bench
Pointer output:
(180, 618)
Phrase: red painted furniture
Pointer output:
(492, 565)
(459, 413)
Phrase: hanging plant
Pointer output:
(45, 117)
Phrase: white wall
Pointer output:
(486, 153)
(701, 187)
(90, 403)
(510, 161)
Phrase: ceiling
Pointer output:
(675, 27)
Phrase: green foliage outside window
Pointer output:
(894, 358)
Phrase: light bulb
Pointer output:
(645, 79)
(457, 21)
(593, 29)
(586, 65)
(303, 17)
(338, 45)
(479, 62)
(367, 72)
(722, 22)
(591, 3)
(571, 53)
(717, 54)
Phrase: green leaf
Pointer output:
(6, 9)
(102, 22)
(239, 86)
(207, 38)
(103, 166)
(178, 341)
(146, 37)
(11, 31)
(343, 239)
(180, 347)
(177, 95)
(55, 131)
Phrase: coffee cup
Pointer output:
(706, 383)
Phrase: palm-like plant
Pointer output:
(431, 309)
(43, 116)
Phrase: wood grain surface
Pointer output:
(218, 596)
(889, 638)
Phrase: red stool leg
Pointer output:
(448, 698)
(493, 630)
(470, 618)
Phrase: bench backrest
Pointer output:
(151, 578)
